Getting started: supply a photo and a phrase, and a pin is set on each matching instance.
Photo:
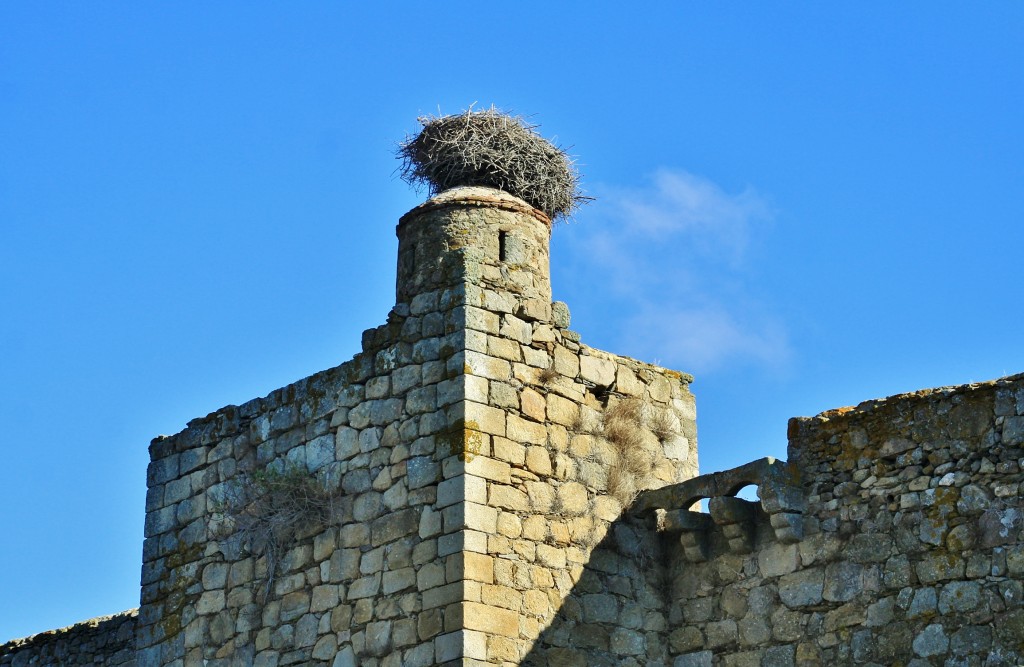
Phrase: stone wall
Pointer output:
(471, 446)
(912, 550)
(478, 487)
(107, 640)
(470, 457)
(202, 593)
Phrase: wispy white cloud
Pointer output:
(706, 338)
(681, 204)
(677, 278)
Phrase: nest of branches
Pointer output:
(269, 509)
(493, 149)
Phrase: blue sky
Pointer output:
(806, 206)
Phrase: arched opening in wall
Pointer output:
(748, 492)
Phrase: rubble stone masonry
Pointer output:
(502, 494)
(107, 640)
(912, 550)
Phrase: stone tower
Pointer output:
(478, 453)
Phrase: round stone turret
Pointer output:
(478, 236)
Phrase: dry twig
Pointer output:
(493, 149)
(268, 508)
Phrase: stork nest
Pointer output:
(493, 149)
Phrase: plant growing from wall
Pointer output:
(634, 433)
(546, 376)
(624, 429)
(265, 511)
(663, 425)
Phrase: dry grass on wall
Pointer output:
(632, 435)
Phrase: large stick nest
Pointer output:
(493, 149)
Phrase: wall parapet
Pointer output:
(912, 550)
(778, 488)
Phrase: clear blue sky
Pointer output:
(805, 205)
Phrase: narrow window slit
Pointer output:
(501, 246)
(407, 261)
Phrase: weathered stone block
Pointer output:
(573, 498)
(430, 575)
(880, 613)
(566, 362)
(721, 633)
(346, 443)
(935, 567)
(600, 372)
(931, 641)
(843, 617)
(476, 616)
(538, 461)
(421, 400)
(422, 471)
(471, 566)
(488, 468)
(525, 431)
(486, 366)
(503, 395)
(754, 630)
(364, 587)
(1013, 430)
(508, 497)
(485, 418)
(324, 597)
(561, 410)
(779, 656)
(971, 640)
(210, 602)
(959, 597)
(215, 576)
(325, 648)
(843, 581)
(470, 516)
(868, 548)
(319, 452)
(503, 348)
(778, 559)
(551, 556)
(503, 595)
(802, 589)
(627, 642)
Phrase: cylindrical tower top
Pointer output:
(475, 235)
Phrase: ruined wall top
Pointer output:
(480, 196)
(900, 424)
